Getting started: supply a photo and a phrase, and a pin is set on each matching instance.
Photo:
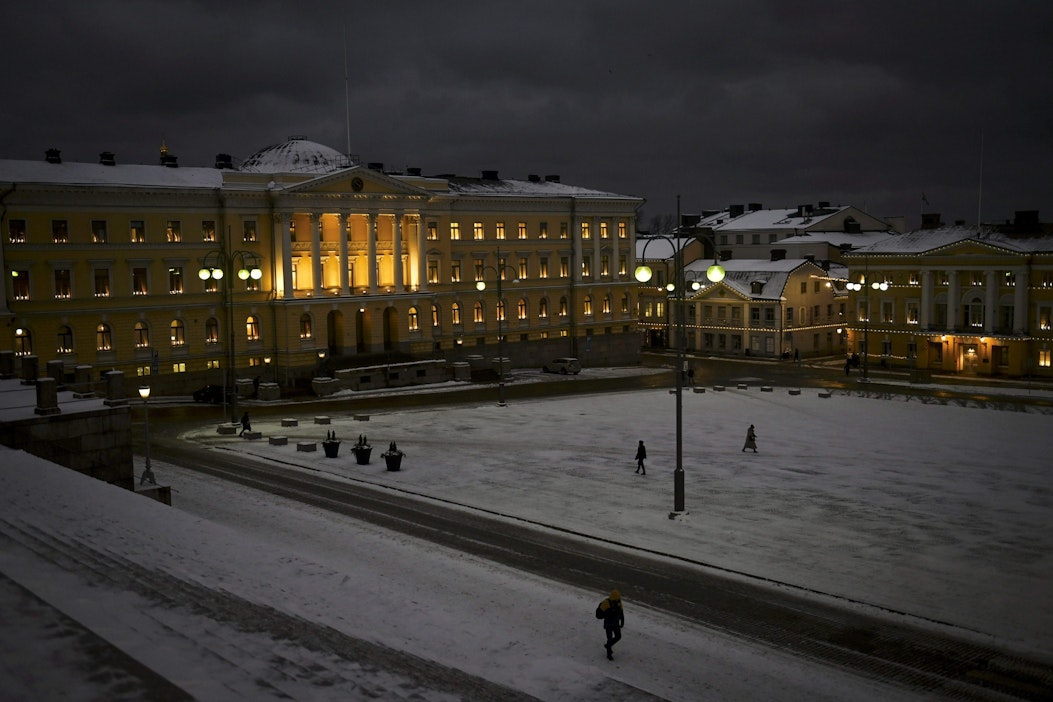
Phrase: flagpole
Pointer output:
(980, 192)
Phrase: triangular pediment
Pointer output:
(970, 247)
(720, 292)
(357, 180)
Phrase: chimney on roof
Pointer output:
(224, 161)
(376, 166)
(169, 161)
(1025, 221)
(552, 178)
(412, 171)
(53, 156)
(823, 204)
(107, 158)
(756, 206)
(490, 175)
(931, 220)
(736, 210)
(778, 254)
(534, 178)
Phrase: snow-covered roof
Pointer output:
(296, 155)
(922, 240)
(526, 188)
(740, 275)
(120, 175)
(855, 240)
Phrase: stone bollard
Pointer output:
(47, 396)
(30, 369)
(7, 365)
(56, 370)
(115, 389)
(82, 382)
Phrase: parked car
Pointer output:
(210, 393)
(563, 365)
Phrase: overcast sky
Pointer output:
(867, 103)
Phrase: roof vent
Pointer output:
(823, 204)
(490, 175)
(756, 206)
(375, 166)
(169, 161)
(413, 171)
(534, 178)
(552, 178)
(736, 210)
(53, 156)
(224, 161)
(107, 158)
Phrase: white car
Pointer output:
(563, 365)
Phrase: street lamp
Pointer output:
(266, 369)
(480, 285)
(213, 266)
(148, 475)
(865, 287)
(643, 273)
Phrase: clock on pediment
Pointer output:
(357, 184)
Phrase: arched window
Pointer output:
(501, 311)
(563, 309)
(587, 305)
(413, 319)
(103, 338)
(479, 313)
(436, 319)
(305, 326)
(142, 335)
(177, 333)
(455, 313)
(23, 342)
(606, 304)
(542, 308)
(625, 304)
(974, 312)
(522, 309)
(252, 328)
(211, 331)
(65, 340)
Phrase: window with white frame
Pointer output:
(177, 333)
(211, 331)
(252, 328)
(103, 338)
(64, 340)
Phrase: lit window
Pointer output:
(563, 307)
(139, 282)
(433, 271)
(1044, 358)
(305, 326)
(211, 331)
(586, 266)
(433, 231)
(175, 280)
(522, 230)
(103, 338)
(522, 309)
(542, 232)
(252, 328)
(586, 231)
(455, 231)
(63, 284)
(435, 317)
(564, 266)
(500, 233)
(477, 231)
(455, 271)
(606, 304)
(604, 231)
(542, 308)
(605, 265)
(177, 333)
(413, 319)
(455, 313)
(478, 313)
(16, 231)
(623, 232)
(23, 342)
(174, 231)
(179, 367)
(102, 282)
(99, 231)
(142, 335)
(20, 284)
(523, 269)
(65, 340)
(137, 231)
(501, 311)
(59, 231)
(208, 230)
(248, 230)
(587, 306)
(563, 230)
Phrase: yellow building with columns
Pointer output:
(136, 267)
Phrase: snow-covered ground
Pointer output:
(938, 511)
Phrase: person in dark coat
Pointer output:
(610, 610)
(245, 426)
(641, 454)
(751, 439)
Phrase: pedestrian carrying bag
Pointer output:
(599, 611)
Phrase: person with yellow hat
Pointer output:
(610, 611)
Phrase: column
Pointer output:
(283, 242)
(596, 246)
(925, 312)
(422, 256)
(345, 228)
(397, 253)
(1020, 301)
(316, 253)
(954, 294)
(575, 242)
(371, 254)
(990, 301)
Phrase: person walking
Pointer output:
(751, 439)
(245, 426)
(641, 454)
(610, 611)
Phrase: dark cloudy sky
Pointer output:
(870, 103)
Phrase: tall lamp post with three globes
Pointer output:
(480, 285)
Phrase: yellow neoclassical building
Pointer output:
(300, 255)
(956, 300)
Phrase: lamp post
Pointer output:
(866, 285)
(266, 369)
(643, 273)
(215, 266)
(148, 474)
(499, 311)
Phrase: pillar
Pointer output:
(47, 396)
